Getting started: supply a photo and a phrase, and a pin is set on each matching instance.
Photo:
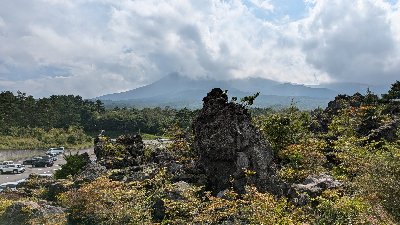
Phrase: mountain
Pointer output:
(351, 88)
(179, 91)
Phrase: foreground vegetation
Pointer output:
(355, 140)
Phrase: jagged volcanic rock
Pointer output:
(386, 131)
(231, 150)
(126, 152)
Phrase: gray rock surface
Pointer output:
(231, 150)
(91, 172)
(386, 131)
(313, 186)
(129, 152)
(25, 212)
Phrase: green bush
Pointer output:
(380, 182)
(74, 164)
(302, 160)
(104, 201)
(341, 210)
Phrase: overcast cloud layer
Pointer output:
(92, 48)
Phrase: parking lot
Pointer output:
(12, 178)
(9, 177)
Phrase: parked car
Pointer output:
(52, 154)
(30, 161)
(12, 168)
(6, 162)
(42, 163)
(11, 185)
(48, 157)
(59, 150)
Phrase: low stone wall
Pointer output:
(19, 154)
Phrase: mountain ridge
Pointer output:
(180, 91)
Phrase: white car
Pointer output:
(57, 151)
(12, 168)
(6, 162)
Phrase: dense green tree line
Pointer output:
(63, 111)
(148, 120)
(57, 111)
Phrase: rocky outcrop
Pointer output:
(231, 150)
(322, 119)
(52, 187)
(386, 131)
(312, 187)
(91, 172)
(133, 144)
(32, 213)
(127, 151)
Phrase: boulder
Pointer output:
(126, 151)
(312, 187)
(133, 144)
(386, 131)
(91, 172)
(33, 213)
(232, 152)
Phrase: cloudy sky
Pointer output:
(95, 47)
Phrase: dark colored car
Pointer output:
(48, 157)
(30, 161)
(42, 163)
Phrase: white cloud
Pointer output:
(97, 47)
(2, 24)
(353, 41)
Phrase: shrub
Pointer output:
(284, 129)
(104, 201)
(74, 164)
(381, 181)
(301, 160)
(334, 209)
(38, 138)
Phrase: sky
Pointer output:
(95, 47)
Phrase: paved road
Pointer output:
(43, 170)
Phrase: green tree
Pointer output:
(393, 93)
(285, 128)
(74, 164)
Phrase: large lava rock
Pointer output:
(126, 151)
(231, 150)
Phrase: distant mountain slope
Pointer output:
(179, 91)
(351, 88)
(175, 83)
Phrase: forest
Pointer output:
(68, 120)
(226, 163)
